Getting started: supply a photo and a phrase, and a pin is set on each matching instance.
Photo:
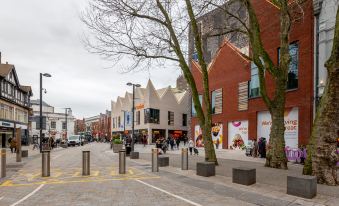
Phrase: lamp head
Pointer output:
(46, 75)
(137, 85)
(129, 84)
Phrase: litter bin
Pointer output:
(128, 150)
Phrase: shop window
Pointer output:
(152, 116)
(170, 118)
(194, 112)
(184, 120)
(292, 76)
(138, 118)
(119, 122)
(254, 90)
(63, 125)
(216, 101)
(53, 125)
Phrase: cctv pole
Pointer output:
(132, 145)
(40, 122)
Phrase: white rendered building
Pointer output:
(54, 123)
(158, 113)
(324, 23)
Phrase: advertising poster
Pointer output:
(198, 136)
(237, 134)
(291, 124)
(128, 119)
(217, 134)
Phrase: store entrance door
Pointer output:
(3, 140)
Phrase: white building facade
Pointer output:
(324, 23)
(158, 113)
(54, 123)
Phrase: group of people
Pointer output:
(259, 148)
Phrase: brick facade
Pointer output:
(228, 69)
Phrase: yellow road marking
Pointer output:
(57, 174)
(95, 173)
(113, 173)
(10, 184)
(7, 183)
(77, 174)
(131, 172)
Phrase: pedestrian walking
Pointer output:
(190, 146)
(217, 143)
(177, 141)
(255, 148)
(144, 141)
(13, 145)
(172, 143)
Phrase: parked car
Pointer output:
(74, 140)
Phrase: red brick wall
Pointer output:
(229, 69)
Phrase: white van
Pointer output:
(74, 140)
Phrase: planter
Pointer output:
(117, 148)
(206, 169)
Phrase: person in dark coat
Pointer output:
(177, 141)
(172, 143)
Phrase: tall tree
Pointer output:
(276, 156)
(145, 33)
(322, 150)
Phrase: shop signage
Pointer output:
(6, 124)
(237, 134)
(264, 123)
(139, 106)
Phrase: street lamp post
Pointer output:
(133, 109)
(40, 122)
(66, 109)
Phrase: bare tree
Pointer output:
(322, 151)
(145, 33)
(289, 13)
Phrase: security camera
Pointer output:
(45, 91)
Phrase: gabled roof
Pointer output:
(225, 45)
(5, 69)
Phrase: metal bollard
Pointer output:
(86, 163)
(184, 158)
(3, 163)
(122, 162)
(46, 164)
(155, 163)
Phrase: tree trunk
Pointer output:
(325, 155)
(208, 144)
(322, 150)
(276, 156)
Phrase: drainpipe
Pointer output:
(316, 102)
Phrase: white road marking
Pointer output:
(171, 194)
(53, 158)
(27, 196)
(1, 198)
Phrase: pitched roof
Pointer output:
(5, 69)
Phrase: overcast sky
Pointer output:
(45, 36)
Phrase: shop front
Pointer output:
(7, 131)
(157, 133)
(216, 133)
(177, 134)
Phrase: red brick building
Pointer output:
(79, 126)
(239, 111)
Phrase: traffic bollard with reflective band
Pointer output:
(3, 163)
(46, 164)
(122, 162)
(86, 163)
(155, 163)
(184, 158)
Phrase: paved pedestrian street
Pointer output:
(139, 186)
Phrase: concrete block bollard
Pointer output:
(244, 176)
